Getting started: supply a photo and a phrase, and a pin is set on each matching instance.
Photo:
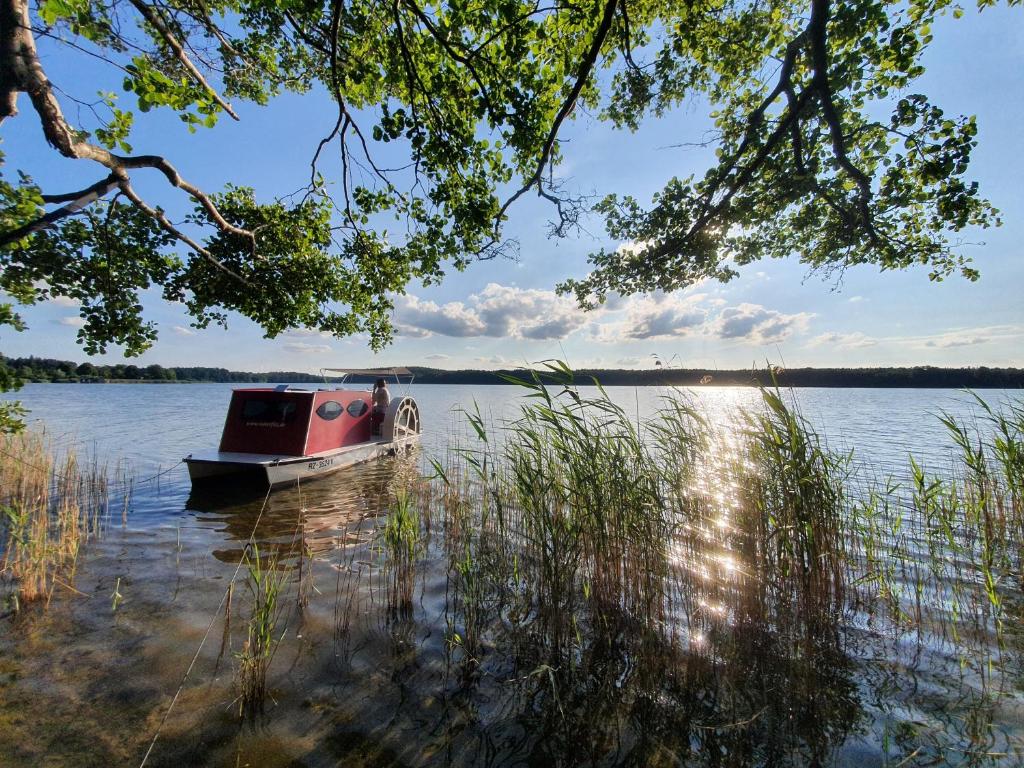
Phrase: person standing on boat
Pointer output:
(381, 399)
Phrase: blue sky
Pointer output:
(505, 312)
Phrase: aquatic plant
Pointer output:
(401, 537)
(793, 498)
(663, 556)
(265, 582)
(48, 508)
(740, 592)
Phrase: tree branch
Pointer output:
(77, 201)
(30, 78)
(150, 14)
(586, 67)
(465, 60)
(161, 218)
(818, 31)
(92, 192)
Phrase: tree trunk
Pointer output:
(14, 37)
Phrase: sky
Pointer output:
(505, 312)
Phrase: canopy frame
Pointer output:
(379, 372)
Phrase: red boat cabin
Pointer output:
(295, 422)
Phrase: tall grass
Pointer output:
(793, 498)
(401, 539)
(266, 583)
(667, 557)
(49, 507)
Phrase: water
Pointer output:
(84, 683)
(154, 425)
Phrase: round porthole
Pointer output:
(330, 410)
(357, 408)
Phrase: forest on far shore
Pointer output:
(38, 369)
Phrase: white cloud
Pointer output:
(856, 299)
(759, 325)
(65, 301)
(73, 320)
(529, 314)
(947, 341)
(303, 348)
(660, 315)
(411, 332)
(654, 315)
(950, 339)
(632, 247)
(510, 312)
(856, 340)
(418, 318)
(628, 362)
(499, 360)
(963, 337)
(307, 332)
(498, 311)
(181, 330)
(438, 357)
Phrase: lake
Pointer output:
(355, 681)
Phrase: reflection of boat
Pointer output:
(333, 513)
(281, 435)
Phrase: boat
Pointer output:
(280, 435)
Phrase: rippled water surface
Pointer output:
(90, 680)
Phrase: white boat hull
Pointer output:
(278, 471)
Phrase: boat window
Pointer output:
(330, 410)
(357, 408)
(257, 412)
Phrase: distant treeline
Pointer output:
(41, 369)
(46, 370)
(919, 376)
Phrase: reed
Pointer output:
(660, 559)
(400, 544)
(793, 497)
(266, 583)
(49, 507)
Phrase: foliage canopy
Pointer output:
(823, 150)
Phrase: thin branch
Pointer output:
(93, 191)
(205, 19)
(320, 147)
(627, 47)
(76, 202)
(24, 72)
(157, 214)
(306, 37)
(511, 25)
(818, 30)
(582, 76)
(754, 121)
(79, 48)
(160, 25)
(465, 60)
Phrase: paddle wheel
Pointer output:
(402, 421)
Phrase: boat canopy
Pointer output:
(370, 371)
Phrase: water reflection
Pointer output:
(318, 517)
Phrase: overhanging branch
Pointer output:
(582, 76)
(150, 14)
(79, 200)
